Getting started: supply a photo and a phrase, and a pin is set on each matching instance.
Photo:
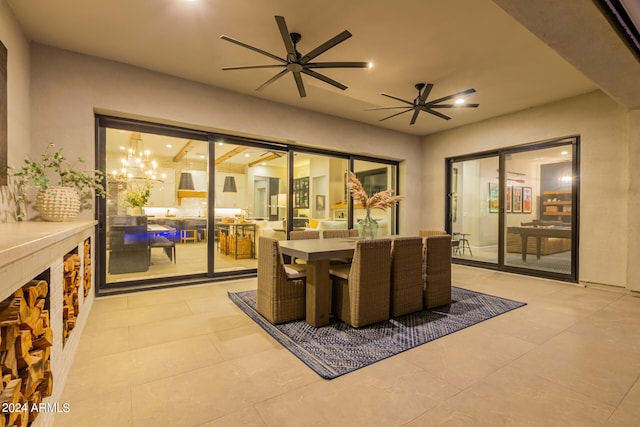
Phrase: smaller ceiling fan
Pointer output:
(296, 63)
(420, 103)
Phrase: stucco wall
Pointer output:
(603, 127)
(17, 101)
(67, 88)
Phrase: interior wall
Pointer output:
(18, 123)
(633, 249)
(603, 128)
(69, 87)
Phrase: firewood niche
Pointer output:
(25, 353)
(70, 284)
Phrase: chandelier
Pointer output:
(137, 163)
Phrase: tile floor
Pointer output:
(189, 357)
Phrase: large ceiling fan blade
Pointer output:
(255, 49)
(272, 79)
(415, 116)
(384, 108)
(249, 67)
(298, 79)
(397, 99)
(436, 113)
(454, 106)
(397, 114)
(425, 93)
(336, 65)
(325, 46)
(446, 98)
(286, 38)
(325, 79)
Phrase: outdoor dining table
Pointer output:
(318, 253)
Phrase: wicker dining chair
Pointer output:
(437, 259)
(361, 290)
(335, 234)
(427, 233)
(353, 232)
(281, 289)
(303, 235)
(406, 275)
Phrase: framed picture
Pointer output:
(508, 198)
(516, 205)
(494, 200)
(526, 200)
(319, 202)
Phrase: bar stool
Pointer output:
(464, 243)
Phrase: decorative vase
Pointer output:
(367, 227)
(58, 204)
(137, 211)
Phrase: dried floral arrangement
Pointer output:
(380, 200)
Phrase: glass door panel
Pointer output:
(474, 209)
(376, 177)
(250, 201)
(156, 209)
(318, 196)
(538, 209)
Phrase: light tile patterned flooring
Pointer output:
(190, 357)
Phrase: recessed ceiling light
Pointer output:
(264, 163)
(459, 101)
(122, 148)
(169, 145)
(564, 153)
(370, 64)
(202, 156)
(220, 143)
(246, 155)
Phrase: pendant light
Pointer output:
(229, 185)
(186, 181)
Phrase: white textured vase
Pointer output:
(58, 204)
(137, 211)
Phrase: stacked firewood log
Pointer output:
(24, 354)
(87, 267)
(70, 284)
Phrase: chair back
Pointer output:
(369, 282)
(437, 260)
(427, 233)
(304, 235)
(278, 298)
(406, 275)
(334, 234)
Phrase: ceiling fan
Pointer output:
(420, 103)
(296, 63)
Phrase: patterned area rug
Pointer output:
(337, 349)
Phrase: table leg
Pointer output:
(318, 293)
(524, 238)
(538, 245)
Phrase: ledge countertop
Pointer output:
(23, 238)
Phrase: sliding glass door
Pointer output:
(473, 207)
(539, 210)
(516, 209)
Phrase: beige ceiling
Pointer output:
(455, 44)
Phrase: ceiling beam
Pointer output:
(183, 151)
(265, 159)
(229, 154)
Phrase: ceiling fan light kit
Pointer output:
(296, 63)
